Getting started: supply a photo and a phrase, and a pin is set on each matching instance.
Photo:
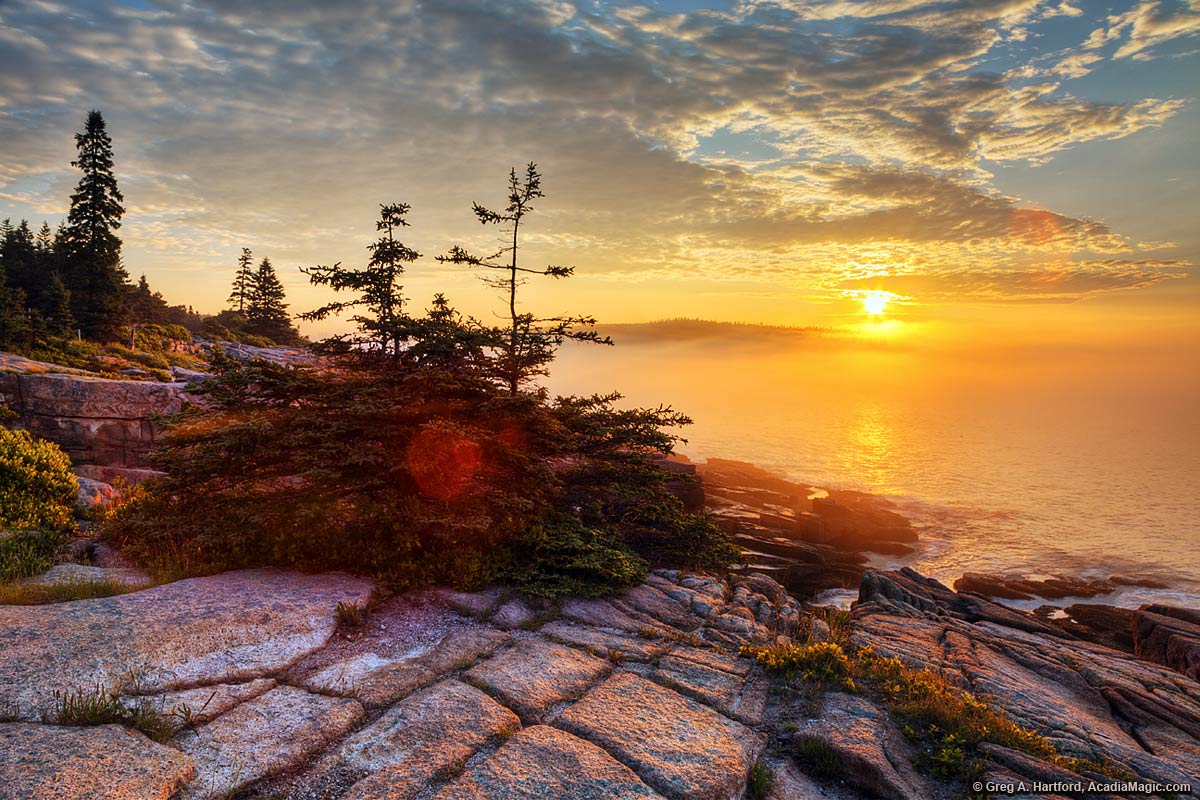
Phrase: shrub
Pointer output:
(760, 781)
(37, 488)
(825, 662)
(414, 475)
(561, 556)
(26, 553)
(36, 594)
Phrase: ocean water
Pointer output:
(1041, 461)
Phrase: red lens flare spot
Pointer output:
(443, 462)
(513, 436)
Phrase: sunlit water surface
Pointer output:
(1034, 467)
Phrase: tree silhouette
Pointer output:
(529, 343)
(266, 309)
(91, 249)
(243, 281)
(386, 327)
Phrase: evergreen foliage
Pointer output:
(420, 457)
(37, 488)
(91, 248)
(384, 328)
(243, 282)
(526, 347)
(266, 311)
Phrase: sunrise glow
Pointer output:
(875, 303)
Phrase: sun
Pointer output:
(875, 302)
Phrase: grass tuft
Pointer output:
(760, 781)
(31, 594)
(816, 757)
(351, 615)
(100, 706)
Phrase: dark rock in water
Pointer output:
(1089, 701)
(862, 526)
(1170, 636)
(1106, 625)
(1015, 587)
(908, 588)
(1138, 580)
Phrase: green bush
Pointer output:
(37, 487)
(416, 476)
(561, 556)
(27, 553)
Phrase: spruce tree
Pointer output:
(526, 347)
(267, 310)
(387, 327)
(91, 249)
(146, 306)
(55, 305)
(243, 281)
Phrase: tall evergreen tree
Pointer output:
(378, 288)
(266, 308)
(243, 281)
(91, 249)
(527, 346)
(45, 239)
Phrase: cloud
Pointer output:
(1145, 26)
(1068, 284)
(281, 125)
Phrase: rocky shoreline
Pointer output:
(266, 684)
(451, 695)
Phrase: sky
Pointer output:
(996, 167)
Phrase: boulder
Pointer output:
(513, 614)
(95, 420)
(372, 680)
(614, 646)
(1110, 626)
(543, 762)
(533, 676)
(45, 762)
(873, 754)
(275, 732)
(202, 704)
(1170, 636)
(218, 629)
(116, 475)
(728, 692)
(1016, 587)
(679, 747)
(93, 493)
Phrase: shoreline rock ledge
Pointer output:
(1090, 701)
(447, 695)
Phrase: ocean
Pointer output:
(1036, 461)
